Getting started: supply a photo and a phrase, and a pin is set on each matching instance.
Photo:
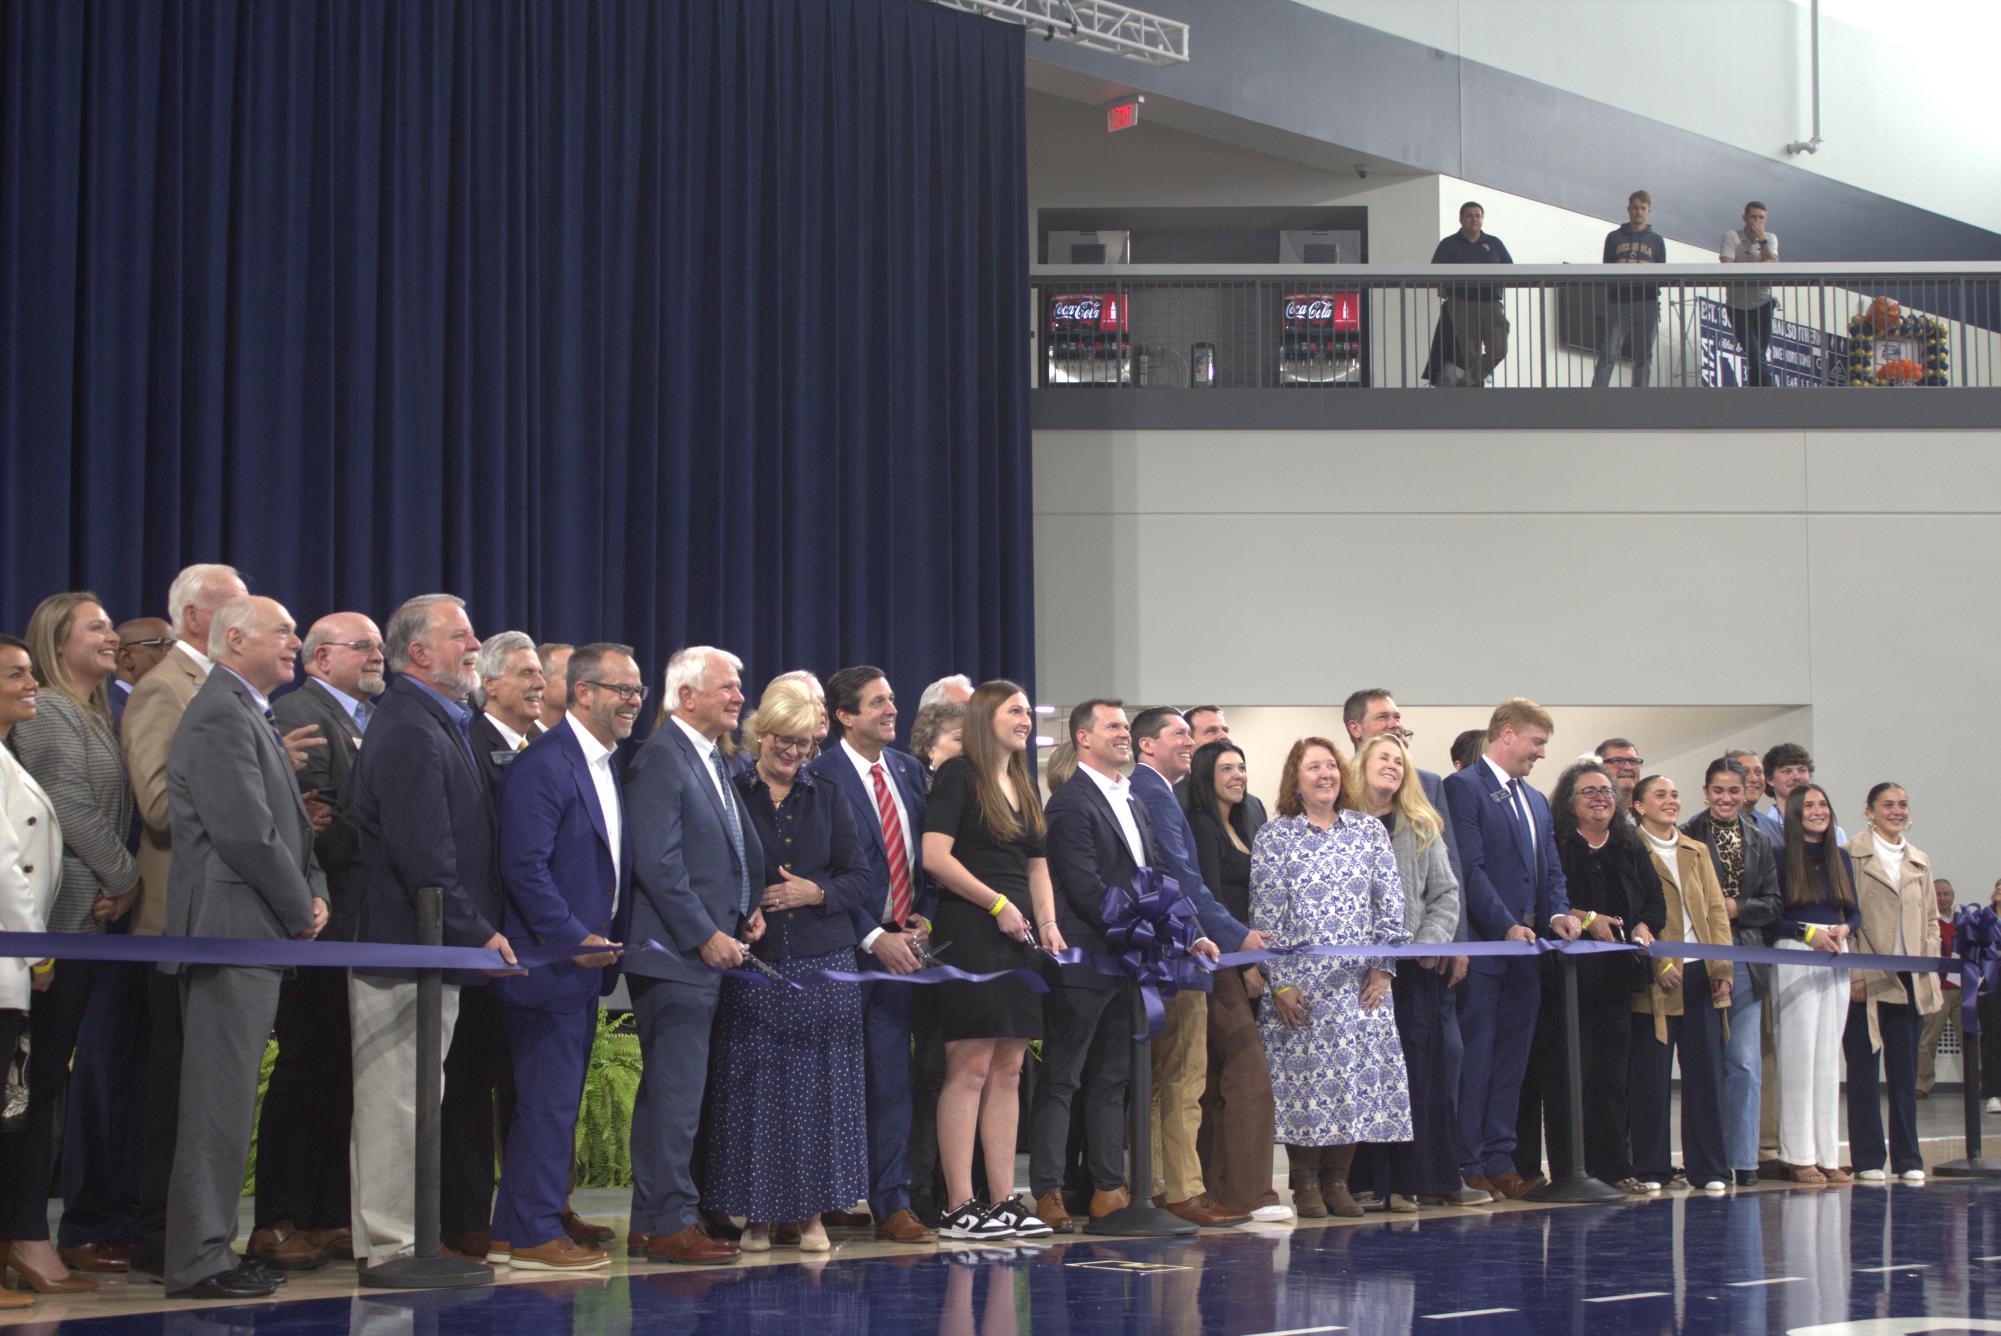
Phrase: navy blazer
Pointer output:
(1088, 852)
(1501, 887)
(557, 870)
(424, 814)
(824, 849)
(907, 773)
(684, 868)
(1176, 841)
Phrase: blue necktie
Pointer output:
(1521, 810)
(362, 710)
(735, 830)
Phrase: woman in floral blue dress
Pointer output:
(1325, 876)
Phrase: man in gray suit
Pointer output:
(699, 870)
(243, 867)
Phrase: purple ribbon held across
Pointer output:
(1151, 927)
(1976, 941)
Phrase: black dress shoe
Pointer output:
(1746, 1178)
(238, 1284)
(258, 1267)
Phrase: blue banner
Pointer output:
(1797, 355)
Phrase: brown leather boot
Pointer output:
(1049, 1209)
(1304, 1163)
(1103, 1203)
(1335, 1161)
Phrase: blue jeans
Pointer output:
(1743, 1072)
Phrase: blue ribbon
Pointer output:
(289, 954)
(1151, 926)
(1976, 943)
(930, 974)
(1757, 955)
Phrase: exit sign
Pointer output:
(1122, 115)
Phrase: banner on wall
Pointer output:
(1798, 355)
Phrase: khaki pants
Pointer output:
(382, 1137)
(1928, 1040)
(1180, 1069)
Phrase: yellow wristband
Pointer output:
(1667, 965)
(1289, 988)
(1590, 917)
(43, 967)
(1809, 934)
(1000, 903)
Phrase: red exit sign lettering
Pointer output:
(1122, 115)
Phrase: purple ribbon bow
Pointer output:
(1976, 941)
(1151, 926)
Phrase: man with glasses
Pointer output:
(1623, 759)
(301, 1216)
(566, 864)
(142, 643)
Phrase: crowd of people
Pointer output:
(169, 777)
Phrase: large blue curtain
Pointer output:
(664, 321)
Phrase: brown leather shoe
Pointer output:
(717, 1225)
(901, 1226)
(336, 1243)
(284, 1248)
(586, 1234)
(1836, 1177)
(690, 1247)
(1051, 1211)
(558, 1254)
(1104, 1203)
(635, 1243)
(1205, 1211)
(103, 1257)
(1510, 1185)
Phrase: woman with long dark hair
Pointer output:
(1616, 894)
(1237, 1113)
(1812, 1004)
(1893, 887)
(983, 833)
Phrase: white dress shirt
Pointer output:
(708, 751)
(201, 660)
(1118, 791)
(597, 758)
(513, 739)
(863, 767)
(1507, 781)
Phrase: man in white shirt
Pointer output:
(1750, 305)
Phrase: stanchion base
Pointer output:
(1140, 1222)
(1977, 1167)
(1578, 1189)
(426, 1273)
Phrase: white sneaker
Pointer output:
(1868, 1175)
(1650, 1185)
(1994, 1104)
(1716, 1185)
(1912, 1175)
(1271, 1215)
(972, 1220)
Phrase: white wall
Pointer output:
(1831, 586)
(1905, 105)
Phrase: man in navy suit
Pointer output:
(565, 852)
(885, 790)
(424, 817)
(1166, 746)
(698, 870)
(1513, 887)
(1099, 835)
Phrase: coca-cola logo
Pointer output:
(1077, 308)
(1311, 308)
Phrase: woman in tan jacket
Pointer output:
(1681, 1010)
(1893, 883)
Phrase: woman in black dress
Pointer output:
(983, 844)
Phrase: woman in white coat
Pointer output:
(31, 864)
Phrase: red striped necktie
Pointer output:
(892, 842)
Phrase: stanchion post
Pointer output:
(1971, 1165)
(428, 1270)
(1576, 1185)
(1142, 1219)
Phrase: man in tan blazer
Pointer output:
(146, 733)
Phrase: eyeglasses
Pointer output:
(1595, 791)
(358, 646)
(790, 746)
(157, 642)
(626, 693)
(1622, 761)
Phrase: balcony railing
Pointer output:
(1348, 327)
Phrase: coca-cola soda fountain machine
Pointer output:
(1088, 340)
(1320, 339)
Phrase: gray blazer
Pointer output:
(243, 848)
(76, 760)
(683, 865)
(327, 770)
(1430, 891)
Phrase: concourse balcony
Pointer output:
(1314, 346)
